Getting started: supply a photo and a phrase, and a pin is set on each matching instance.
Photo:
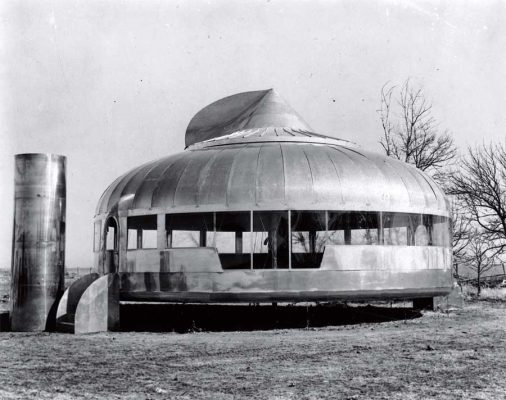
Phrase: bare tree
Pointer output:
(410, 132)
(481, 256)
(480, 184)
(462, 234)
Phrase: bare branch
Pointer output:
(414, 137)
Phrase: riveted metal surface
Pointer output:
(271, 134)
(38, 248)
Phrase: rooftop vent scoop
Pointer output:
(248, 110)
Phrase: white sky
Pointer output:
(112, 84)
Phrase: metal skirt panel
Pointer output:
(300, 285)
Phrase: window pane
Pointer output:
(225, 242)
(271, 239)
(185, 238)
(400, 228)
(440, 231)
(260, 242)
(110, 240)
(300, 242)
(189, 230)
(309, 238)
(232, 239)
(143, 229)
(132, 239)
(423, 231)
(364, 236)
(427, 221)
(351, 227)
(335, 237)
(149, 239)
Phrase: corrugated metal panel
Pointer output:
(274, 134)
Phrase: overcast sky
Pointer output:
(113, 84)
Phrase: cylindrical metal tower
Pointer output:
(38, 242)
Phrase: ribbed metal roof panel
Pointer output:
(252, 151)
(274, 175)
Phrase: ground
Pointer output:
(454, 355)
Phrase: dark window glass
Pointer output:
(270, 239)
(309, 238)
(142, 232)
(111, 235)
(189, 230)
(400, 228)
(350, 227)
(232, 239)
(440, 231)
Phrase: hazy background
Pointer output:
(113, 84)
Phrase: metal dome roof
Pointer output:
(253, 166)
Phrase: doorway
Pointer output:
(111, 246)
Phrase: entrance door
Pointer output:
(111, 246)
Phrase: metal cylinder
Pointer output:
(38, 241)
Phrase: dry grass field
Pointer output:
(454, 355)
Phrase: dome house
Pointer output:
(259, 207)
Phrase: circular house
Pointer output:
(258, 207)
